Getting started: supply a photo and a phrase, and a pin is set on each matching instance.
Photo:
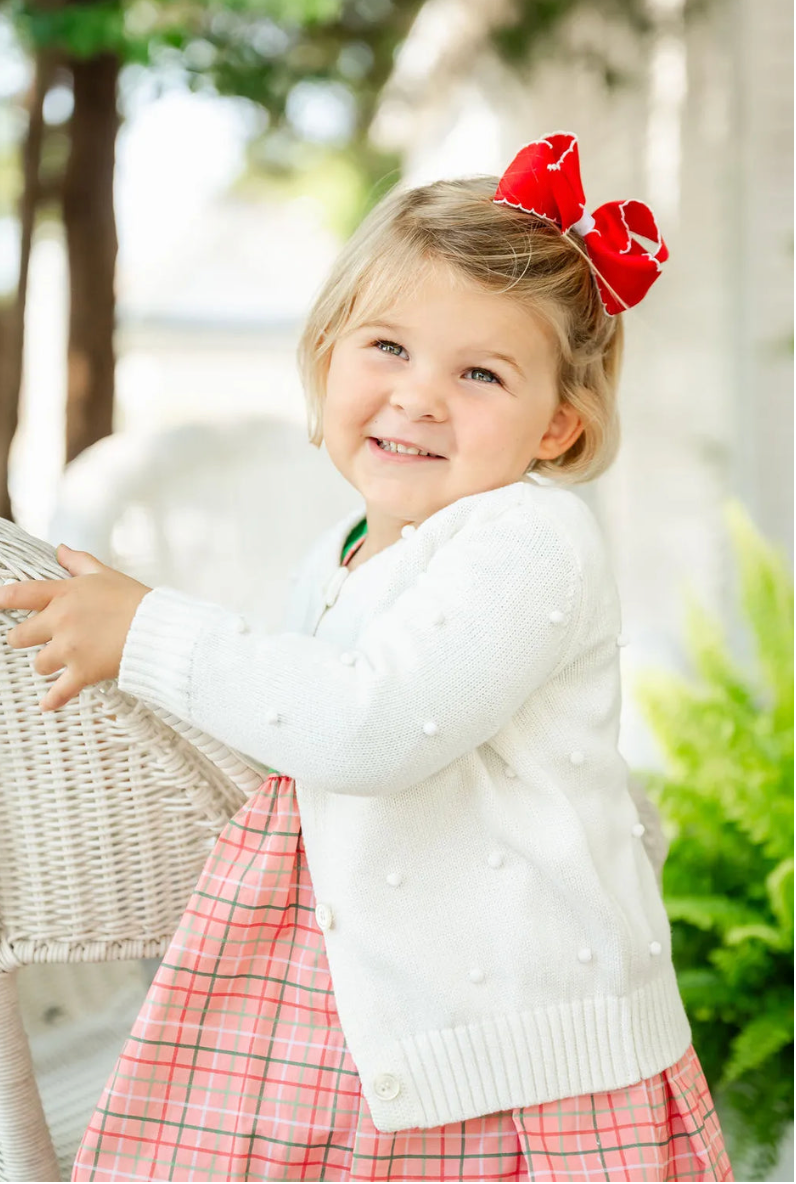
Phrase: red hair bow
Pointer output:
(544, 179)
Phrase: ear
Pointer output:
(562, 432)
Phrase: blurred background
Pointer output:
(175, 181)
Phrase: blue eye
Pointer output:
(479, 370)
(391, 346)
(395, 350)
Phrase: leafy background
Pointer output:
(727, 800)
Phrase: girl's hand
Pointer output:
(82, 623)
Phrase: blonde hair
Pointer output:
(503, 250)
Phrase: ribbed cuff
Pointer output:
(158, 651)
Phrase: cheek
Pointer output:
(487, 423)
(358, 391)
(495, 430)
(347, 407)
(340, 389)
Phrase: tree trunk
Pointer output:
(12, 315)
(90, 226)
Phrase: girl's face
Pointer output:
(453, 370)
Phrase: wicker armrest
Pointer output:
(108, 809)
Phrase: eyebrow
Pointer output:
(479, 349)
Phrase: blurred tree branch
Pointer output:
(12, 314)
(90, 227)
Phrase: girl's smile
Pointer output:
(400, 457)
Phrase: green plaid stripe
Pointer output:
(237, 1068)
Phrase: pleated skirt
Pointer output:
(237, 1067)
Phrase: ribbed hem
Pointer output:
(158, 651)
(524, 1059)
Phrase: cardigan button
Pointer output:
(576, 758)
(242, 625)
(509, 771)
(387, 1086)
(272, 717)
(637, 829)
(621, 639)
(430, 727)
(324, 915)
(348, 658)
(476, 975)
(556, 616)
(495, 858)
(584, 955)
(436, 617)
(394, 878)
(408, 531)
(655, 947)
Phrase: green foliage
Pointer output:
(136, 29)
(259, 50)
(84, 30)
(727, 800)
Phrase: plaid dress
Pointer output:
(237, 1067)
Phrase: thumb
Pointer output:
(77, 563)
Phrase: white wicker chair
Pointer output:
(108, 808)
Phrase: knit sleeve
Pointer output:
(428, 680)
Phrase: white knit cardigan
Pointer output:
(450, 713)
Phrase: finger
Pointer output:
(66, 688)
(47, 661)
(33, 630)
(28, 594)
(78, 563)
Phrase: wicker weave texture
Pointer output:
(108, 808)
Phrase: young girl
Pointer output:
(431, 946)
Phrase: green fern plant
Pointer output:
(726, 800)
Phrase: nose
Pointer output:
(419, 397)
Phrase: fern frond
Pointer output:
(707, 648)
(711, 912)
(759, 1040)
(727, 803)
(779, 886)
(766, 933)
(766, 591)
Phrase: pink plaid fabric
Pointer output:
(237, 1068)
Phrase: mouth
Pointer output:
(389, 454)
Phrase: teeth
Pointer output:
(389, 446)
